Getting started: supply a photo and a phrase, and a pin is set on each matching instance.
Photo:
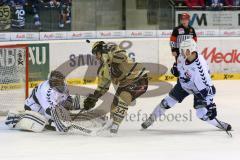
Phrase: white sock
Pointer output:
(158, 111)
(213, 122)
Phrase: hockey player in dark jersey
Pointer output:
(116, 67)
(5, 16)
(18, 13)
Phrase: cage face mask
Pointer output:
(57, 81)
(61, 88)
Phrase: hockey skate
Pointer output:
(224, 126)
(114, 129)
(148, 122)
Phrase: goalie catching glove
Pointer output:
(72, 103)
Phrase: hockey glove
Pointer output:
(212, 111)
(90, 102)
(174, 70)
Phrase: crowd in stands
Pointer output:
(14, 13)
(212, 4)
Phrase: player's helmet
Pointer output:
(188, 44)
(185, 16)
(99, 46)
(57, 81)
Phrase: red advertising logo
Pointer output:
(215, 56)
(105, 34)
(20, 36)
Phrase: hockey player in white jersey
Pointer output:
(48, 106)
(193, 78)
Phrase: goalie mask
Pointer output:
(187, 47)
(57, 81)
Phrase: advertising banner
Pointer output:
(53, 35)
(222, 54)
(75, 58)
(111, 34)
(81, 34)
(141, 33)
(212, 19)
(38, 61)
(5, 36)
(24, 36)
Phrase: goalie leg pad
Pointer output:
(32, 121)
(12, 119)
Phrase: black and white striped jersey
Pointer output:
(180, 34)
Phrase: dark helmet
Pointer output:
(99, 46)
(57, 81)
(185, 16)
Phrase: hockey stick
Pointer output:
(228, 133)
(81, 111)
(74, 128)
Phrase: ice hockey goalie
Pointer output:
(48, 107)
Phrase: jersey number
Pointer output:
(4, 13)
(20, 14)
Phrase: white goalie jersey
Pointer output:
(43, 98)
(46, 107)
(195, 78)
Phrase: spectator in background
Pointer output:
(35, 8)
(64, 12)
(216, 4)
(179, 2)
(18, 14)
(228, 3)
(5, 15)
(236, 2)
(192, 3)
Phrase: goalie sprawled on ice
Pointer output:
(48, 107)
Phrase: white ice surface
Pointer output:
(191, 140)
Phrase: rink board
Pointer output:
(73, 57)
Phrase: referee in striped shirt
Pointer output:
(180, 33)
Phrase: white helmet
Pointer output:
(188, 44)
